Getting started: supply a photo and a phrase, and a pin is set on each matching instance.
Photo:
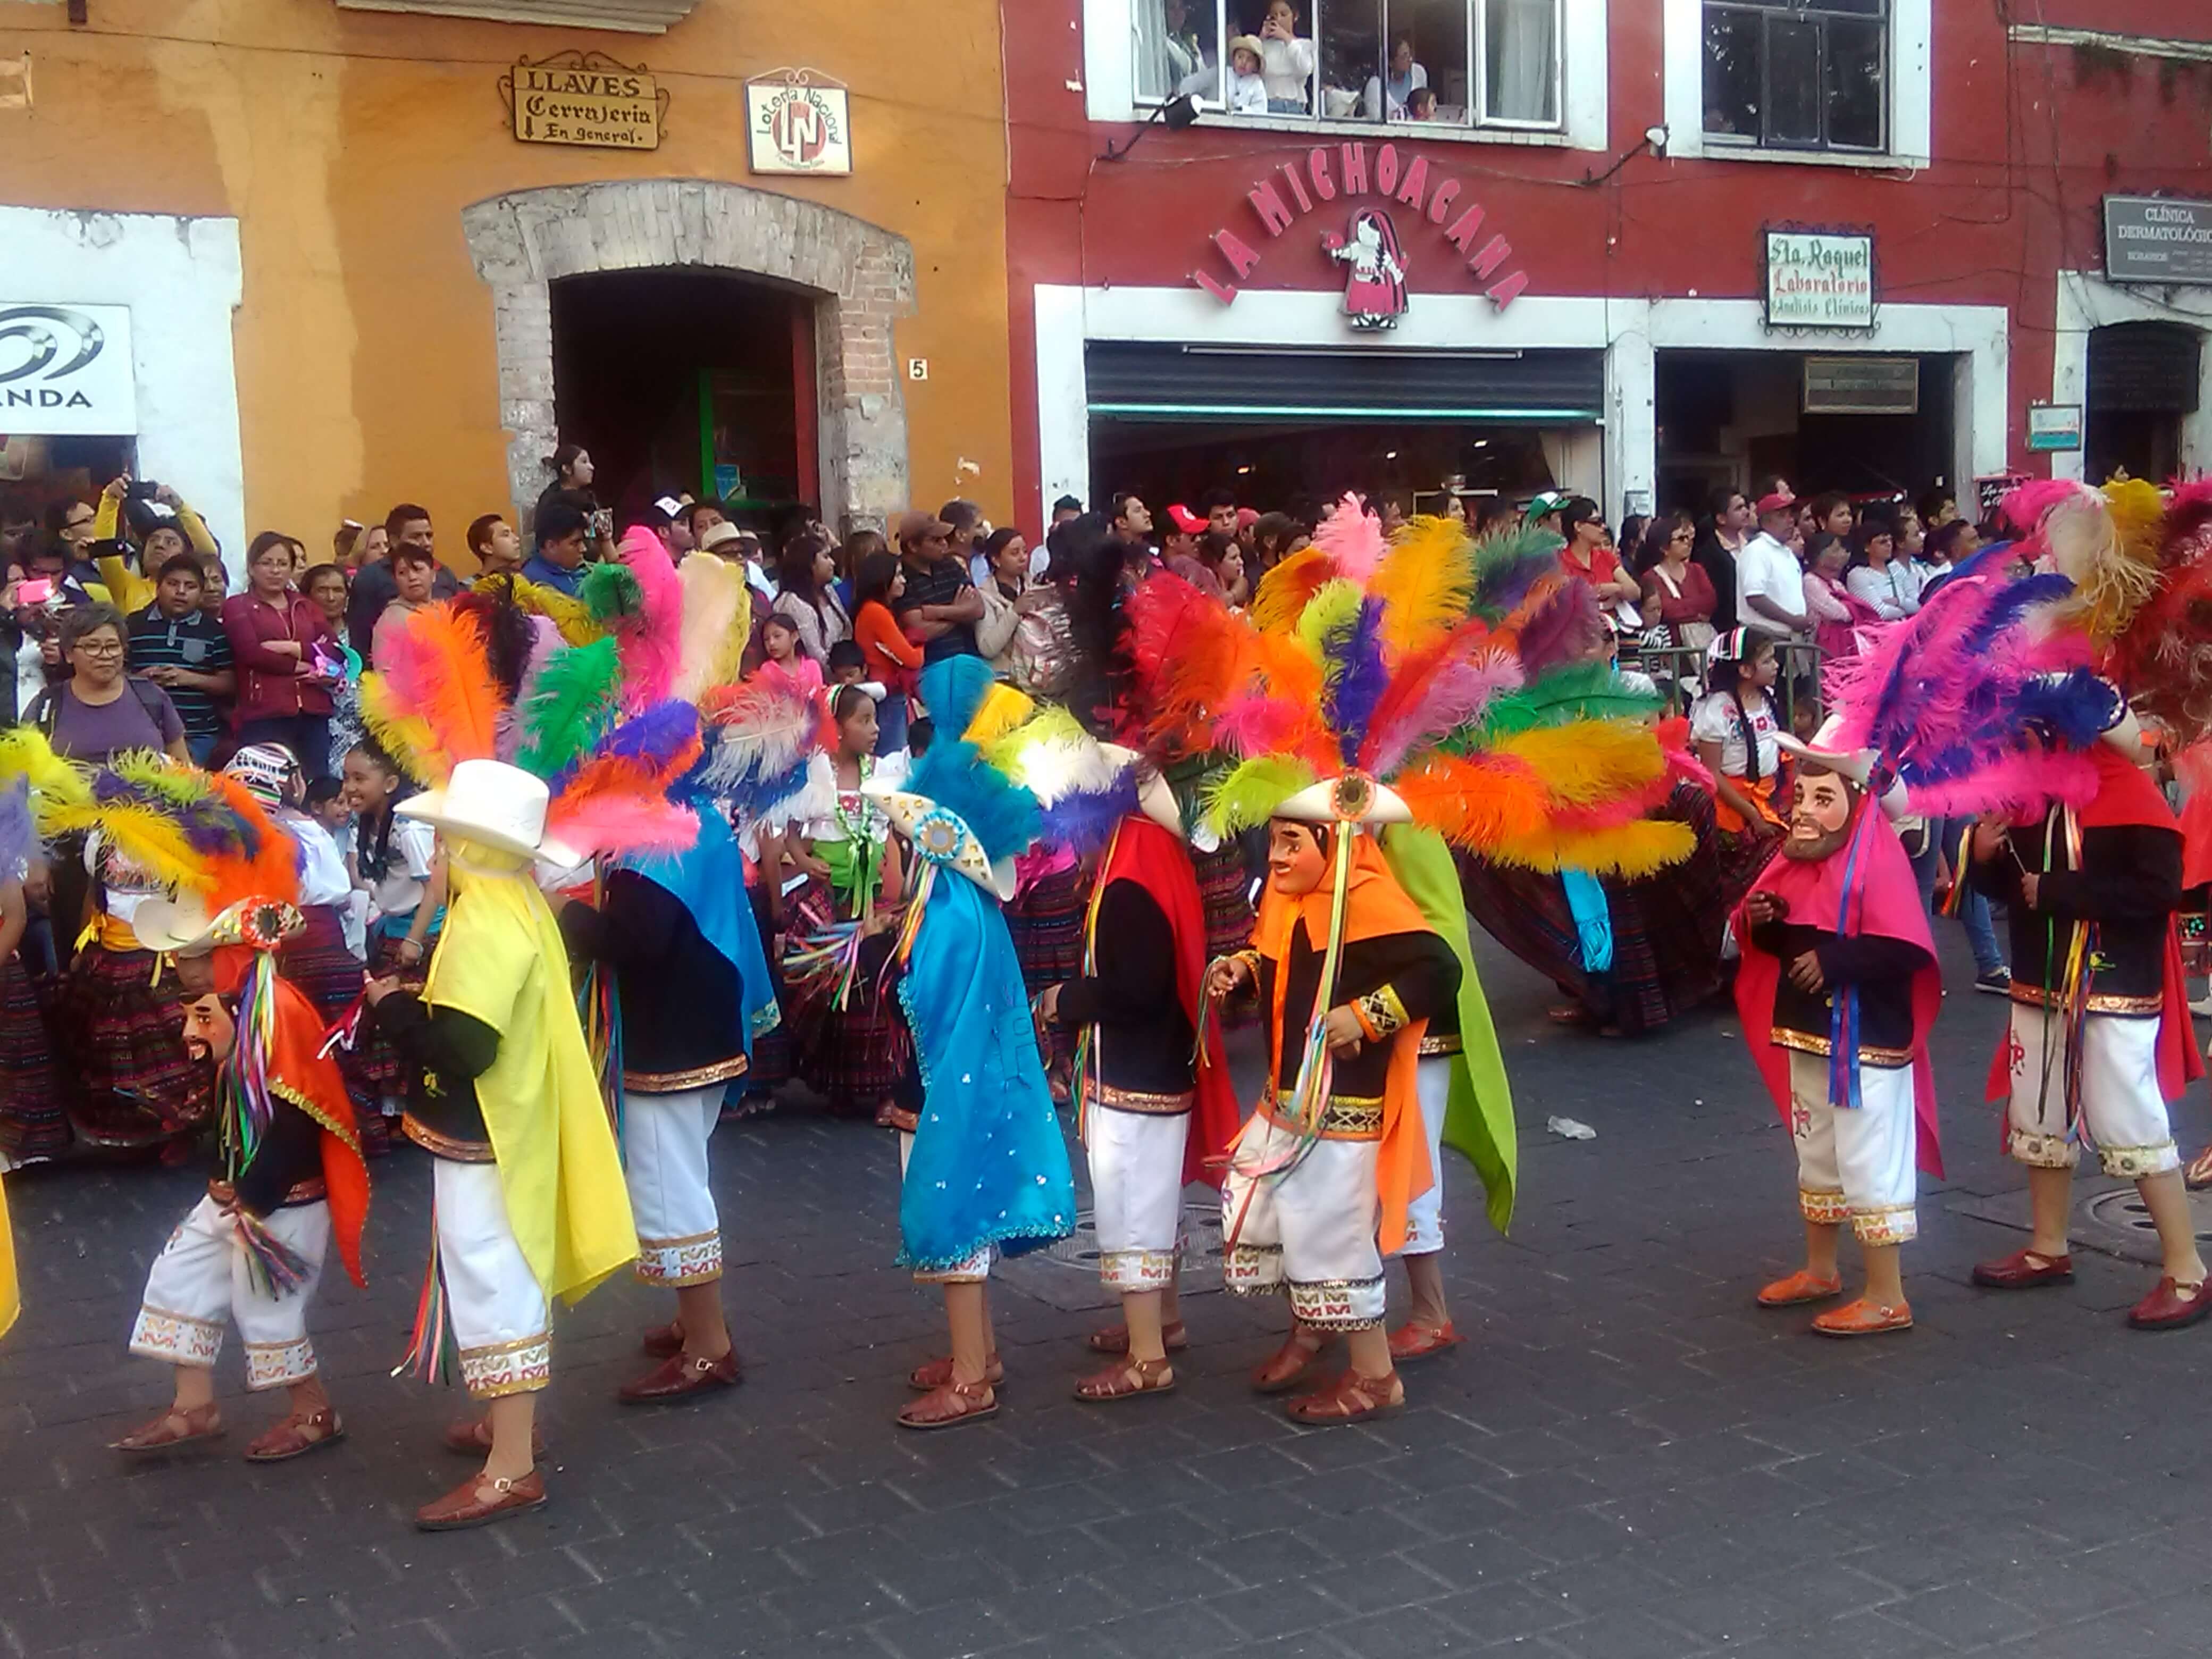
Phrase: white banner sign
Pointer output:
(65, 370)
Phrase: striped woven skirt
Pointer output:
(859, 1056)
(1225, 887)
(120, 1035)
(33, 1116)
(1045, 919)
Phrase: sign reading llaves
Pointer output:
(65, 370)
(586, 98)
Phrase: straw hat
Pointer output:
(493, 804)
(1353, 798)
(943, 837)
(182, 927)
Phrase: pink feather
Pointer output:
(1353, 537)
(651, 646)
(1455, 694)
(2026, 505)
(622, 823)
(1252, 724)
(544, 640)
(2021, 784)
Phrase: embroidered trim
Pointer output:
(180, 1338)
(675, 1083)
(1383, 1013)
(2098, 1002)
(973, 1269)
(1345, 1117)
(675, 1263)
(1252, 1270)
(1891, 1223)
(1822, 1209)
(2134, 1163)
(1136, 1100)
(522, 1366)
(310, 1191)
(279, 1364)
(323, 1119)
(1137, 1270)
(2042, 1152)
(1446, 1043)
(1338, 1304)
(1806, 1043)
(446, 1146)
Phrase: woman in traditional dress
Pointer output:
(33, 1120)
(396, 865)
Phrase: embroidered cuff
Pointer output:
(1381, 1013)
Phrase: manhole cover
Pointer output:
(2121, 1210)
(1065, 1274)
(2110, 1217)
(1202, 1224)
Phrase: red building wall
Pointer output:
(2026, 140)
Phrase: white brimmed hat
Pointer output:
(943, 837)
(1154, 795)
(1353, 798)
(493, 804)
(182, 927)
(1857, 764)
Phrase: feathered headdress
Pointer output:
(2164, 658)
(2077, 529)
(760, 734)
(957, 809)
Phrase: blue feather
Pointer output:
(2012, 600)
(955, 775)
(952, 690)
(17, 838)
(1357, 676)
(657, 734)
(1086, 822)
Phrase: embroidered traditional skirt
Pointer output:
(33, 1117)
(858, 1055)
(318, 963)
(121, 1037)
(1045, 919)
(1225, 887)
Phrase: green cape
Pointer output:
(1478, 1121)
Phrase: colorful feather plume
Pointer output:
(611, 594)
(1448, 688)
(1250, 792)
(761, 735)
(717, 618)
(1570, 691)
(19, 834)
(1509, 563)
(1004, 817)
(1426, 583)
(621, 824)
(1558, 624)
(25, 753)
(1086, 819)
(1053, 757)
(651, 637)
(1285, 592)
(953, 692)
(2073, 526)
(1351, 537)
(433, 692)
(569, 615)
(2163, 659)
(572, 703)
(507, 634)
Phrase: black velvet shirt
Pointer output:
(683, 1015)
(1144, 1042)
(1881, 968)
(1417, 969)
(2128, 887)
(445, 1051)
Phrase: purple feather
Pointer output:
(658, 734)
(17, 838)
(1357, 676)
(1562, 628)
(1084, 820)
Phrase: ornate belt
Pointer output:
(1446, 1043)
(449, 1147)
(1345, 1118)
(1805, 1043)
(2098, 1002)
(1137, 1100)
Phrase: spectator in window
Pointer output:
(967, 521)
(1387, 94)
(558, 563)
(373, 585)
(1837, 614)
(179, 647)
(1718, 544)
(1421, 105)
(1248, 87)
(497, 549)
(1678, 595)
(1770, 582)
(1886, 584)
(807, 595)
(287, 657)
(1589, 556)
(940, 607)
(100, 709)
(413, 569)
(1287, 62)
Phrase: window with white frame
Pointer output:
(1452, 63)
(1797, 74)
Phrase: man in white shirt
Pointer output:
(1770, 582)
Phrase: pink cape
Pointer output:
(1884, 902)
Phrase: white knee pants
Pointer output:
(972, 1271)
(1309, 1232)
(1857, 1164)
(1425, 1216)
(202, 1274)
(664, 1140)
(498, 1309)
(1136, 1195)
(2123, 1109)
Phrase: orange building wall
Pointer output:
(347, 143)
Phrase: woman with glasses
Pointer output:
(1589, 554)
(100, 710)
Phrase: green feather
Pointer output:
(1572, 691)
(571, 704)
(1333, 610)
(1506, 562)
(611, 592)
(1250, 792)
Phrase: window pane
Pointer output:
(1350, 55)
(1177, 48)
(1521, 54)
(1858, 84)
(1792, 83)
(1284, 29)
(1431, 35)
(1735, 68)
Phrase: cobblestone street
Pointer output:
(1626, 1460)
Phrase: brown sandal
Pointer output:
(297, 1436)
(1115, 1339)
(933, 1374)
(1350, 1399)
(1127, 1380)
(949, 1407)
(179, 1425)
(1289, 1365)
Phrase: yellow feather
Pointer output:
(717, 621)
(1285, 590)
(1589, 762)
(25, 753)
(144, 837)
(568, 614)
(1003, 708)
(1631, 851)
(1427, 581)
(407, 738)
(1334, 606)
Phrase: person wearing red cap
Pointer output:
(1770, 582)
(1179, 536)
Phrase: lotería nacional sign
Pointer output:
(65, 370)
(586, 99)
(1818, 279)
(798, 120)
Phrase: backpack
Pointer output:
(151, 698)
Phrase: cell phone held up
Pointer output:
(140, 489)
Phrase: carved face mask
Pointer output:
(210, 1032)
(1821, 817)
(1296, 861)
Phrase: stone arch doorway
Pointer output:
(862, 277)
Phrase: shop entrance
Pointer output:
(1863, 423)
(690, 380)
(2143, 382)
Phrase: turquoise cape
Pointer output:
(708, 879)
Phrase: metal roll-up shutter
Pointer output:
(2144, 368)
(1151, 380)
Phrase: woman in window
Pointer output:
(1387, 94)
(1287, 62)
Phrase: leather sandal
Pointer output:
(933, 1374)
(297, 1436)
(1289, 1365)
(1416, 1341)
(2024, 1270)
(1115, 1339)
(663, 1341)
(2172, 1306)
(681, 1375)
(471, 1438)
(179, 1425)
(1801, 1286)
(1127, 1380)
(481, 1500)
(1864, 1317)
(951, 1405)
(2196, 1174)
(1350, 1398)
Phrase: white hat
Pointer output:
(1353, 798)
(182, 927)
(943, 837)
(493, 804)
(1857, 764)
(1154, 795)
(719, 535)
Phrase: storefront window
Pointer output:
(1450, 63)
(1797, 74)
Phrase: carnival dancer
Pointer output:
(1157, 1108)
(290, 1183)
(1837, 992)
(984, 1169)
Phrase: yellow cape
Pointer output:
(10, 1300)
(502, 960)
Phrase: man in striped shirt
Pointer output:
(183, 649)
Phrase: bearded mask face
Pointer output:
(1821, 817)
(210, 1032)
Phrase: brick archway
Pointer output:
(862, 277)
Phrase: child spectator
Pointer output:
(1248, 86)
(181, 649)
